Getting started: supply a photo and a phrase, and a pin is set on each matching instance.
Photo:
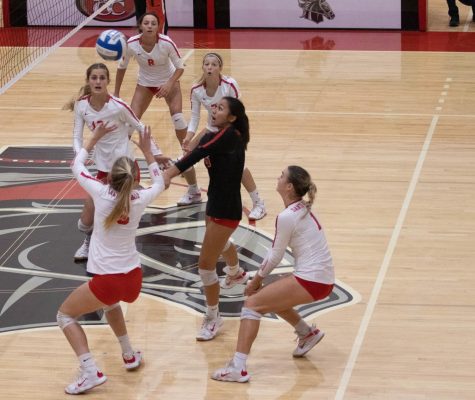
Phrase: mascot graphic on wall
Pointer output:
(315, 10)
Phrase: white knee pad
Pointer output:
(179, 121)
(64, 320)
(84, 228)
(111, 307)
(208, 277)
(247, 313)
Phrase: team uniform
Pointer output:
(225, 156)
(228, 87)
(113, 145)
(156, 67)
(300, 230)
(113, 252)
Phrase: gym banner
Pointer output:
(339, 14)
(121, 13)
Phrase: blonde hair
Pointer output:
(122, 179)
(220, 62)
(303, 184)
(86, 89)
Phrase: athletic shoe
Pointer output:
(258, 211)
(209, 328)
(134, 362)
(454, 21)
(189, 198)
(230, 374)
(85, 380)
(306, 343)
(83, 252)
(229, 281)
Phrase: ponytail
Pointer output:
(302, 184)
(123, 175)
(241, 123)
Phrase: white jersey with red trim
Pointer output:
(300, 230)
(156, 67)
(228, 87)
(113, 251)
(116, 143)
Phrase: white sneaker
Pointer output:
(258, 211)
(209, 328)
(85, 380)
(306, 343)
(229, 281)
(83, 252)
(133, 363)
(230, 374)
(189, 198)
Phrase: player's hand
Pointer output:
(253, 286)
(102, 129)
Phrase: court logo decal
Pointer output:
(40, 203)
(119, 11)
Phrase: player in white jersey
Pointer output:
(93, 107)
(114, 260)
(210, 88)
(160, 68)
(312, 280)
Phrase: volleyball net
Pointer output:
(35, 28)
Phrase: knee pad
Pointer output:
(179, 121)
(111, 307)
(87, 229)
(247, 313)
(208, 277)
(64, 320)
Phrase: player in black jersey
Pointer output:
(224, 155)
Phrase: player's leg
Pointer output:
(215, 238)
(258, 210)
(80, 301)
(174, 101)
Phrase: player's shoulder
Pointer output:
(197, 88)
(133, 40)
(228, 80)
(165, 38)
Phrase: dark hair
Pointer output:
(140, 20)
(241, 123)
(85, 90)
(302, 183)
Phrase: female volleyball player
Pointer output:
(94, 106)
(210, 88)
(224, 154)
(160, 67)
(114, 260)
(312, 280)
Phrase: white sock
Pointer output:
(233, 269)
(212, 311)
(127, 349)
(193, 188)
(302, 328)
(255, 197)
(239, 361)
(87, 361)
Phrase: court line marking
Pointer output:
(296, 112)
(358, 342)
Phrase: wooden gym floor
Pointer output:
(388, 137)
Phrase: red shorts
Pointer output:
(154, 90)
(230, 223)
(112, 288)
(102, 176)
(316, 289)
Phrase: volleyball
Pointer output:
(111, 45)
